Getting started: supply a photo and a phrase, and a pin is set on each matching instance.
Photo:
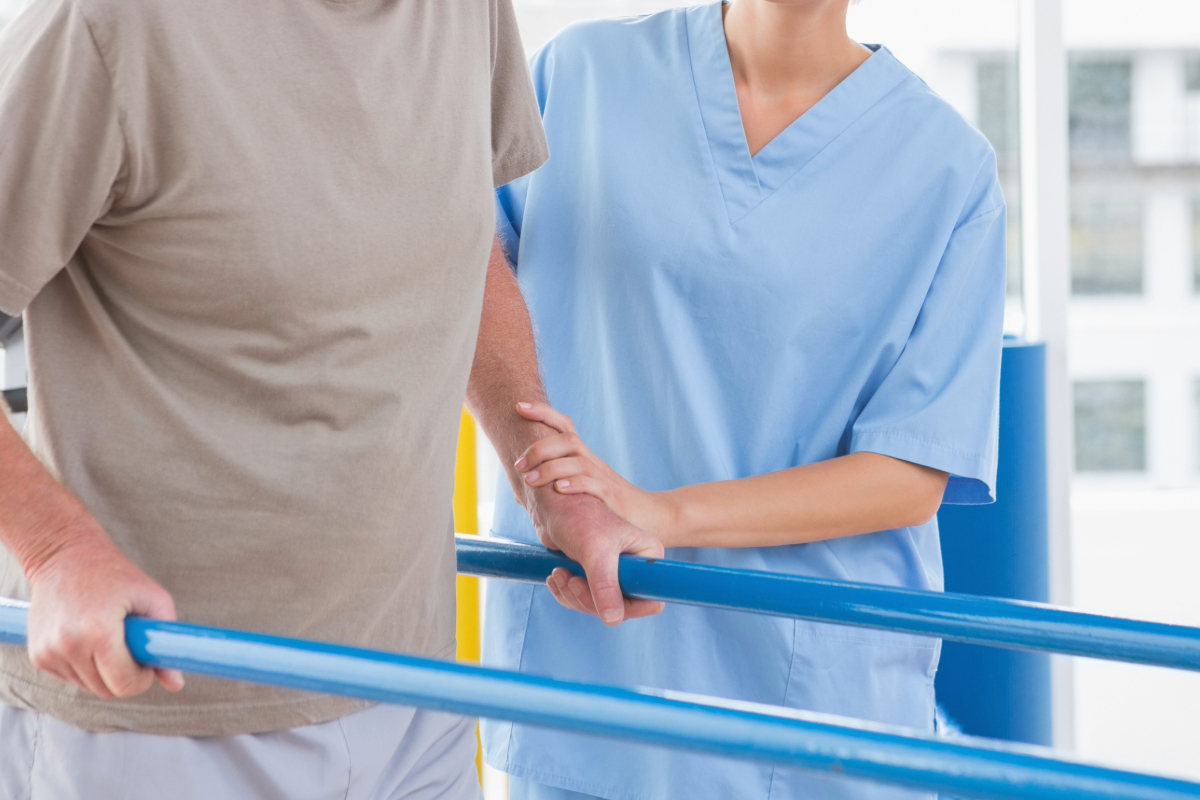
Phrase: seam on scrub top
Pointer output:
(512, 726)
(919, 440)
(980, 215)
(583, 787)
(827, 145)
(787, 685)
(712, 161)
(975, 178)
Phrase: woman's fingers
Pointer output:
(560, 445)
(585, 484)
(540, 412)
(556, 469)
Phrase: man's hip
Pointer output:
(382, 753)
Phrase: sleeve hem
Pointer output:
(14, 296)
(972, 475)
(513, 165)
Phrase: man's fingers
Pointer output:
(123, 676)
(581, 593)
(170, 679)
(65, 651)
(646, 546)
(60, 667)
(601, 572)
(540, 412)
(637, 609)
(558, 585)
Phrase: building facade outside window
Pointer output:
(1100, 93)
(1106, 204)
(1196, 420)
(1106, 237)
(996, 88)
(1196, 242)
(1110, 426)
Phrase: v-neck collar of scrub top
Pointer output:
(748, 180)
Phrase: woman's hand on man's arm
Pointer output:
(845, 496)
(565, 463)
(505, 372)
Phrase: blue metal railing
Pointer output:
(963, 618)
(965, 768)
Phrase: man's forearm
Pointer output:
(38, 516)
(505, 371)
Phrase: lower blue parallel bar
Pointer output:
(991, 621)
(962, 768)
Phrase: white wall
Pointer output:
(1136, 554)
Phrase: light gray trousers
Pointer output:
(382, 753)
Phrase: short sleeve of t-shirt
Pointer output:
(518, 142)
(939, 404)
(62, 150)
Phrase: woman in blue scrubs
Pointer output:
(766, 268)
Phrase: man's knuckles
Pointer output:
(128, 683)
(78, 638)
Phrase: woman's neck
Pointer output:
(786, 57)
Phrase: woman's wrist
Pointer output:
(672, 529)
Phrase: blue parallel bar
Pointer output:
(964, 768)
(991, 621)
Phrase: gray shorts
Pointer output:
(382, 753)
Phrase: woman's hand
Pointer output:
(566, 462)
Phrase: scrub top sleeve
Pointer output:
(510, 205)
(62, 155)
(939, 404)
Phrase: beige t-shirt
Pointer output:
(250, 238)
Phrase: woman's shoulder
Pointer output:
(616, 41)
(915, 106)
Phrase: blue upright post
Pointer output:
(1001, 550)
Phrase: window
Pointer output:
(1110, 426)
(1196, 419)
(996, 84)
(1191, 71)
(1106, 238)
(1196, 243)
(996, 78)
(1100, 92)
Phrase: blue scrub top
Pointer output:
(706, 315)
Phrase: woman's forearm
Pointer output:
(858, 493)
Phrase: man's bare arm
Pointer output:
(505, 373)
(82, 586)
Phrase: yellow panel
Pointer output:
(466, 520)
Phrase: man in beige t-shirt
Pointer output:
(249, 240)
